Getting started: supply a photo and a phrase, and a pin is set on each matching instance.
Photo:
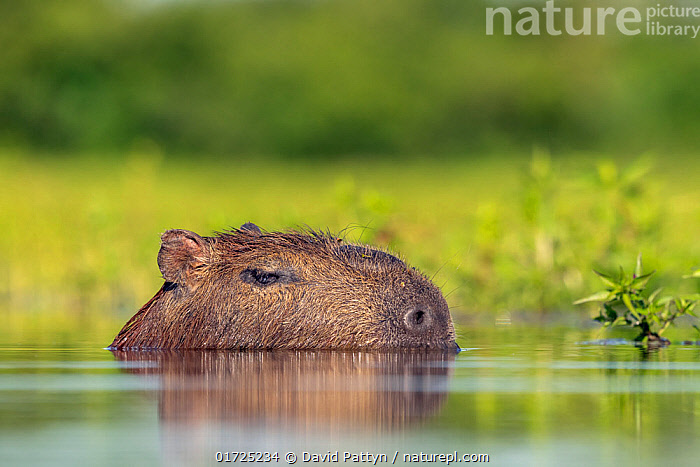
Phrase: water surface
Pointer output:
(522, 396)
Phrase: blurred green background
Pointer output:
(506, 166)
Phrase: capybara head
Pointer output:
(248, 289)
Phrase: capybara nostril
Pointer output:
(418, 320)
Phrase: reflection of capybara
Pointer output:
(295, 389)
(252, 290)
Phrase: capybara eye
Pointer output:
(258, 277)
(266, 278)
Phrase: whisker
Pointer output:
(469, 249)
(346, 231)
(363, 230)
(454, 290)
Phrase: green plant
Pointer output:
(625, 301)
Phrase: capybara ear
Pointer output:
(181, 252)
(251, 228)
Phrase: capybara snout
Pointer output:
(249, 289)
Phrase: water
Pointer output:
(522, 396)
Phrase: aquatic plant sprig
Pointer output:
(625, 301)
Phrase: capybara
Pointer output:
(249, 289)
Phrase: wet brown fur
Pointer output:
(327, 295)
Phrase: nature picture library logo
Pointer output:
(554, 18)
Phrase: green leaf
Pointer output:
(628, 303)
(607, 280)
(653, 295)
(641, 281)
(596, 297)
(688, 307)
(638, 268)
(665, 300)
(680, 304)
(619, 321)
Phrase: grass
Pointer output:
(509, 237)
